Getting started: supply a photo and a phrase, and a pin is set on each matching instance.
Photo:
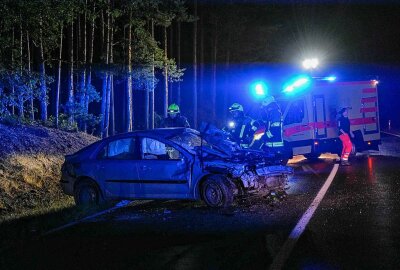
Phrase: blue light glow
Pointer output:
(329, 79)
(297, 84)
(259, 89)
(231, 124)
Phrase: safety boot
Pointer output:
(345, 163)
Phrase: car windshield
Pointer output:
(189, 141)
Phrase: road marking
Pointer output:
(283, 255)
(119, 205)
(389, 133)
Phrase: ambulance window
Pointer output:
(295, 113)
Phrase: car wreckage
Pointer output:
(171, 163)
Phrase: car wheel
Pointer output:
(87, 193)
(216, 192)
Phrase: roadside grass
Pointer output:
(31, 199)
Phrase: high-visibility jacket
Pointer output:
(243, 130)
(271, 116)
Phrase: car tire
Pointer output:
(216, 192)
(87, 194)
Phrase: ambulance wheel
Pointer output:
(353, 150)
(312, 156)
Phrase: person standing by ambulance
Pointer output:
(344, 134)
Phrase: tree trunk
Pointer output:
(152, 124)
(82, 80)
(195, 67)
(214, 73)
(178, 58)
(111, 82)
(129, 98)
(32, 111)
(89, 79)
(59, 77)
(71, 76)
(165, 105)
(171, 53)
(201, 92)
(20, 98)
(20, 107)
(103, 104)
(112, 106)
(106, 90)
(12, 65)
(21, 54)
(43, 87)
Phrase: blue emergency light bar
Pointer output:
(299, 83)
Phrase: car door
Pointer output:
(164, 171)
(117, 168)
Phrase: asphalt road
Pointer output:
(354, 227)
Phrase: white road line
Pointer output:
(283, 255)
(112, 209)
(389, 133)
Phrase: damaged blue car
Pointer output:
(171, 163)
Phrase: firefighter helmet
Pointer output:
(236, 107)
(268, 100)
(173, 108)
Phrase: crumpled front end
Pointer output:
(261, 177)
(266, 178)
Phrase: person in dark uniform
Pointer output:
(271, 118)
(241, 127)
(344, 134)
(174, 118)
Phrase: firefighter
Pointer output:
(344, 134)
(271, 118)
(241, 127)
(174, 118)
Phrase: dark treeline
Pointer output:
(108, 66)
(60, 58)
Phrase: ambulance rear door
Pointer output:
(297, 130)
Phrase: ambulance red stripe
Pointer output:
(369, 100)
(369, 90)
(369, 109)
(329, 124)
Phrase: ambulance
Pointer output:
(310, 117)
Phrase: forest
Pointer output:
(73, 64)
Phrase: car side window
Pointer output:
(119, 149)
(154, 149)
(295, 114)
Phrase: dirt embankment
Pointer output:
(30, 162)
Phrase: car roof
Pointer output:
(158, 132)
